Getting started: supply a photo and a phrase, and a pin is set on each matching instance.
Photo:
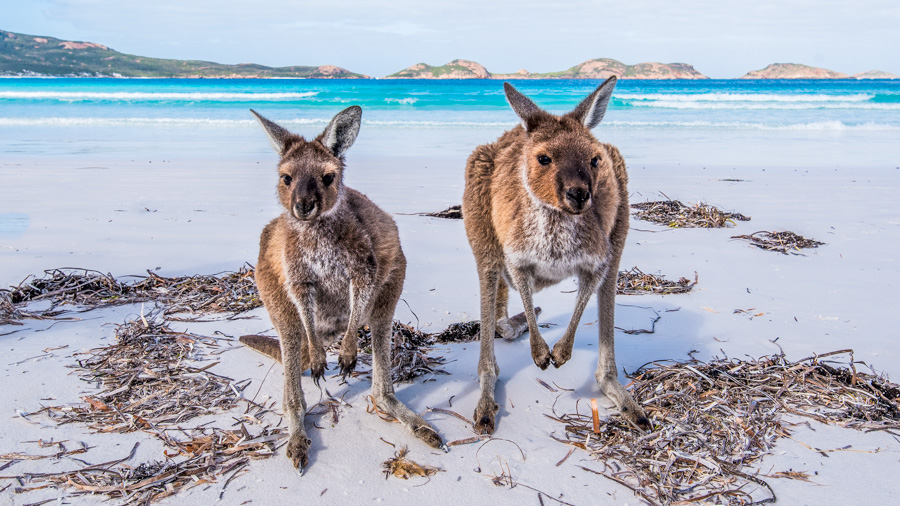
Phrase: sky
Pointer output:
(720, 38)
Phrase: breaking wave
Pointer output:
(243, 123)
(151, 96)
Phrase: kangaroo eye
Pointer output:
(327, 179)
(286, 179)
(595, 161)
(543, 159)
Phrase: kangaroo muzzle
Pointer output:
(304, 208)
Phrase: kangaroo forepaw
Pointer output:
(346, 363)
(485, 418)
(430, 436)
(298, 451)
(541, 355)
(560, 354)
(317, 371)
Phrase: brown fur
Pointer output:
(330, 263)
(545, 202)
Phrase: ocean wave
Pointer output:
(737, 125)
(744, 97)
(151, 96)
(402, 101)
(300, 122)
(782, 106)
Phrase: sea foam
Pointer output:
(299, 122)
(154, 96)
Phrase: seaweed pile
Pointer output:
(713, 421)
(229, 292)
(783, 242)
(674, 214)
(150, 380)
(637, 282)
(451, 213)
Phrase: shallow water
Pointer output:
(715, 122)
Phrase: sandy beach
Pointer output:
(180, 214)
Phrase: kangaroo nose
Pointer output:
(578, 196)
(304, 208)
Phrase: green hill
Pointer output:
(24, 55)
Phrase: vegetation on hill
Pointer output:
(47, 56)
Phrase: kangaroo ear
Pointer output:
(591, 110)
(278, 136)
(525, 109)
(342, 131)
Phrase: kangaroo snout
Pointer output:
(578, 197)
(304, 208)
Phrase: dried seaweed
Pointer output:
(402, 467)
(782, 242)
(201, 458)
(451, 213)
(148, 378)
(636, 282)
(461, 332)
(151, 381)
(230, 292)
(673, 213)
(713, 421)
(409, 352)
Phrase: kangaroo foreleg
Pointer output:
(562, 350)
(540, 352)
(360, 297)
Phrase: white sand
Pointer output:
(201, 216)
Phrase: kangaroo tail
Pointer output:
(263, 344)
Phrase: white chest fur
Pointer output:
(321, 258)
(323, 266)
(552, 246)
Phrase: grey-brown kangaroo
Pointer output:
(545, 202)
(331, 262)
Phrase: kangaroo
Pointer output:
(331, 262)
(545, 202)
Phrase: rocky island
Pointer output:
(600, 68)
(793, 71)
(456, 69)
(875, 74)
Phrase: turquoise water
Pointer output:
(117, 117)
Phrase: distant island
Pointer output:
(875, 74)
(793, 71)
(600, 68)
(798, 71)
(30, 55)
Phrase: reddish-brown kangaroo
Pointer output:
(543, 203)
(331, 262)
